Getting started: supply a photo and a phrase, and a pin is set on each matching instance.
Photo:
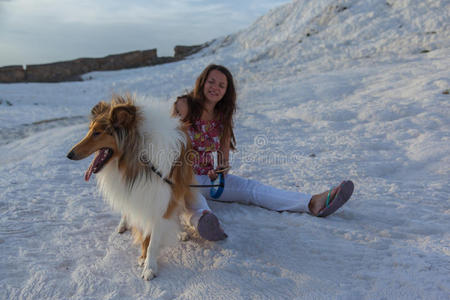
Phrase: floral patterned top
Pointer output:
(205, 137)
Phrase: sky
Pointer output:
(43, 31)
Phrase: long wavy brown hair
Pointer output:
(224, 109)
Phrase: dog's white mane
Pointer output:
(162, 138)
(149, 196)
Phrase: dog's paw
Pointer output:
(148, 274)
(123, 226)
(150, 269)
(183, 236)
(121, 229)
(141, 261)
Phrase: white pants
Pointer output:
(247, 191)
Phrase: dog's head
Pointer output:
(111, 123)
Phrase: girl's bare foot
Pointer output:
(318, 201)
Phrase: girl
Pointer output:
(208, 112)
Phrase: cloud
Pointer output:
(113, 11)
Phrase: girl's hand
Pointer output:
(223, 169)
(212, 175)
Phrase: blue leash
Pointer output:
(217, 186)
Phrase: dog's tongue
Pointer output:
(93, 165)
(88, 173)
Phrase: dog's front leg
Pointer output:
(144, 248)
(150, 264)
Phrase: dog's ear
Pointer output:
(123, 116)
(99, 108)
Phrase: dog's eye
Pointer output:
(96, 133)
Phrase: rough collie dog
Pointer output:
(139, 149)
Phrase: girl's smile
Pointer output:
(215, 86)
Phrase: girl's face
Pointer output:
(215, 86)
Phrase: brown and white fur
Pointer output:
(125, 136)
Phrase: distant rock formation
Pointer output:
(183, 51)
(73, 69)
(12, 74)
